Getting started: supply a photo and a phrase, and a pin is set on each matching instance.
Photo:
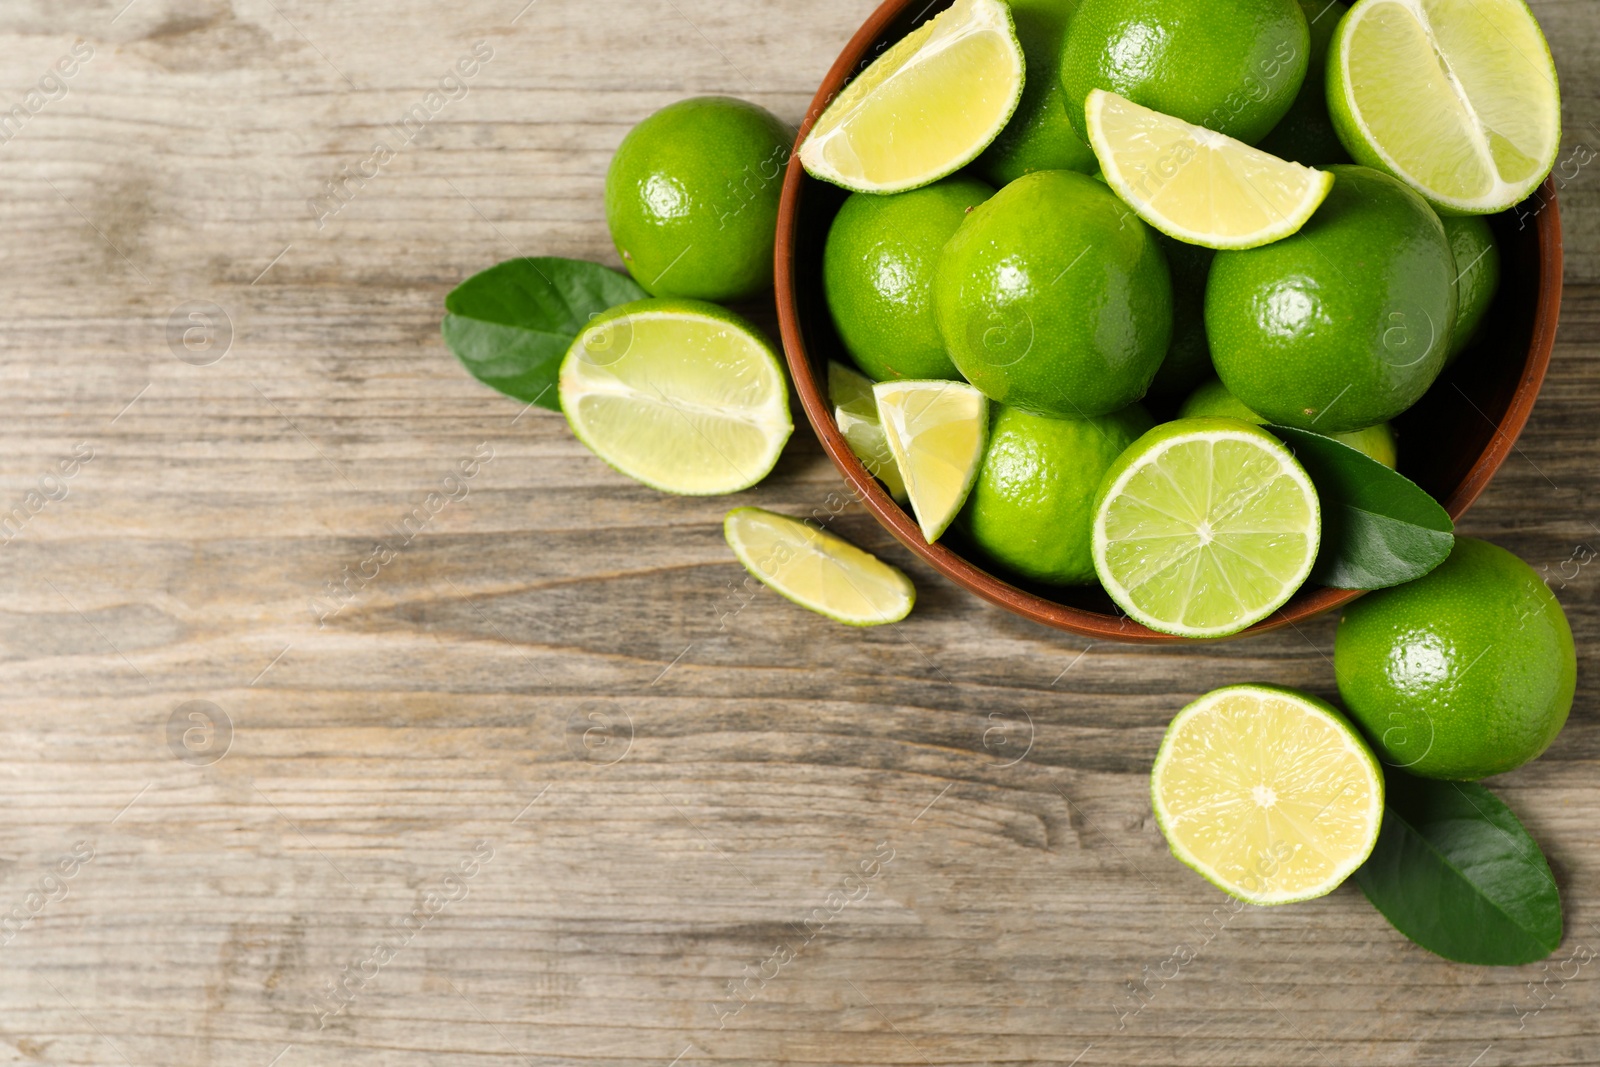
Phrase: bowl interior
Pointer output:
(1451, 442)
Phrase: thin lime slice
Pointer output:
(1270, 794)
(817, 570)
(678, 394)
(856, 413)
(925, 108)
(1204, 527)
(1458, 98)
(1196, 185)
(937, 432)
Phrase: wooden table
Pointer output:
(549, 787)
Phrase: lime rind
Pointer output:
(1449, 142)
(818, 570)
(681, 395)
(937, 432)
(1213, 177)
(1362, 781)
(1163, 548)
(948, 138)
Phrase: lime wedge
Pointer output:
(678, 394)
(1204, 527)
(1270, 794)
(937, 432)
(817, 570)
(868, 441)
(925, 108)
(1458, 98)
(1196, 185)
(850, 389)
(856, 412)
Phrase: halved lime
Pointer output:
(817, 570)
(856, 413)
(1458, 98)
(1197, 185)
(1204, 527)
(926, 107)
(1270, 794)
(679, 394)
(937, 432)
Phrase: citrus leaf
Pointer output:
(1378, 527)
(511, 324)
(1455, 872)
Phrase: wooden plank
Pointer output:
(676, 777)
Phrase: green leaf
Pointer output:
(1455, 872)
(511, 325)
(1378, 527)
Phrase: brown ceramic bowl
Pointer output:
(1451, 443)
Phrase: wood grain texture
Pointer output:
(659, 781)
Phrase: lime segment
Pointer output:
(1270, 794)
(1204, 527)
(937, 431)
(1197, 185)
(851, 390)
(817, 570)
(926, 107)
(1458, 98)
(678, 394)
(856, 412)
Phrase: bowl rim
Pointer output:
(996, 590)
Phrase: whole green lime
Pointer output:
(1233, 66)
(1466, 672)
(1032, 506)
(1039, 135)
(1188, 359)
(1345, 324)
(877, 275)
(1212, 400)
(692, 198)
(1477, 259)
(1305, 134)
(1053, 297)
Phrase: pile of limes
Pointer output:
(1058, 215)
(1058, 204)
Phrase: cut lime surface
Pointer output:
(1458, 98)
(937, 431)
(1204, 527)
(926, 107)
(1269, 794)
(817, 570)
(1197, 185)
(681, 395)
(856, 413)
